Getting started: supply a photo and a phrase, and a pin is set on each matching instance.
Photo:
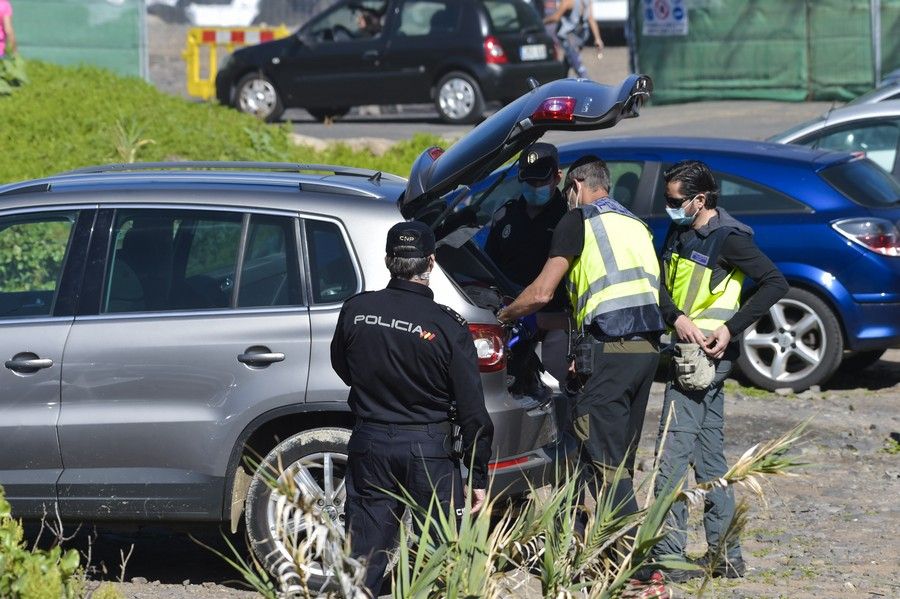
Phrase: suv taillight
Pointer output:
(558, 109)
(489, 342)
(875, 234)
(493, 51)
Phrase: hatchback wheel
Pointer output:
(316, 461)
(797, 345)
(257, 95)
(458, 98)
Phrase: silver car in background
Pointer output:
(871, 129)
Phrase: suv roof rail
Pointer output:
(290, 167)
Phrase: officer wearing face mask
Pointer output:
(519, 243)
(706, 257)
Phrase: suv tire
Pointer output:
(256, 94)
(318, 452)
(797, 345)
(458, 99)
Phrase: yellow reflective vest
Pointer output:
(689, 271)
(614, 284)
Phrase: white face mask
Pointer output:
(572, 198)
(680, 217)
(537, 196)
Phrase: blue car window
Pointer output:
(864, 183)
(741, 196)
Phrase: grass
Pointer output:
(891, 446)
(732, 387)
(68, 117)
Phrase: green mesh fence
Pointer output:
(768, 50)
(106, 33)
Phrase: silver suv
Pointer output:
(164, 325)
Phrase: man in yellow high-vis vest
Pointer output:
(612, 272)
(706, 256)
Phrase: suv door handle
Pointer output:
(28, 365)
(261, 358)
(370, 55)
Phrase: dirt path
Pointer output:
(830, 532)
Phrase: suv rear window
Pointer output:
(511, 16)
(864, 182)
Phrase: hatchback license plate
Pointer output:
(533, 52)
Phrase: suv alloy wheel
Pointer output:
(317, 461)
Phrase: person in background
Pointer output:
(576, 23)
(7, 33)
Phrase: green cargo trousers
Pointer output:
(696, 437)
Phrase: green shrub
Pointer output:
(34, 574)
(68, 117)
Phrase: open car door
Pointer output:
(563, 105)
(438, 179)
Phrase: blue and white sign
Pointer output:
(665, 17)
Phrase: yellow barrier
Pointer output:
(213, 37)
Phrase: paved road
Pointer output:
(737, 119)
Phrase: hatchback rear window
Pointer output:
(864, 182)
(511, 16)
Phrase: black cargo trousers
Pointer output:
(386, 457)
(608, 413)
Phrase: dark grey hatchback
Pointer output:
(459, 54)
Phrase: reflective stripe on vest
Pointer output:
(617, 268)
(689, 284)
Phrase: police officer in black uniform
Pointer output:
(519, 243)
(409, 362)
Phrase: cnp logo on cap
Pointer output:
(412, 239)
(532, 157)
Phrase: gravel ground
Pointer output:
(829, 532)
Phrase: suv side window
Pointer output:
(333, 278)
(32, 254)
(270, 273)
(172, 260)
(429, 17)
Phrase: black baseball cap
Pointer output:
(538, 163)
(410, 239)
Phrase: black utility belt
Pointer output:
(434, 427)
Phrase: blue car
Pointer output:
(829, 220)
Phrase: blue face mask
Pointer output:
(679, 217)
(537, 196)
